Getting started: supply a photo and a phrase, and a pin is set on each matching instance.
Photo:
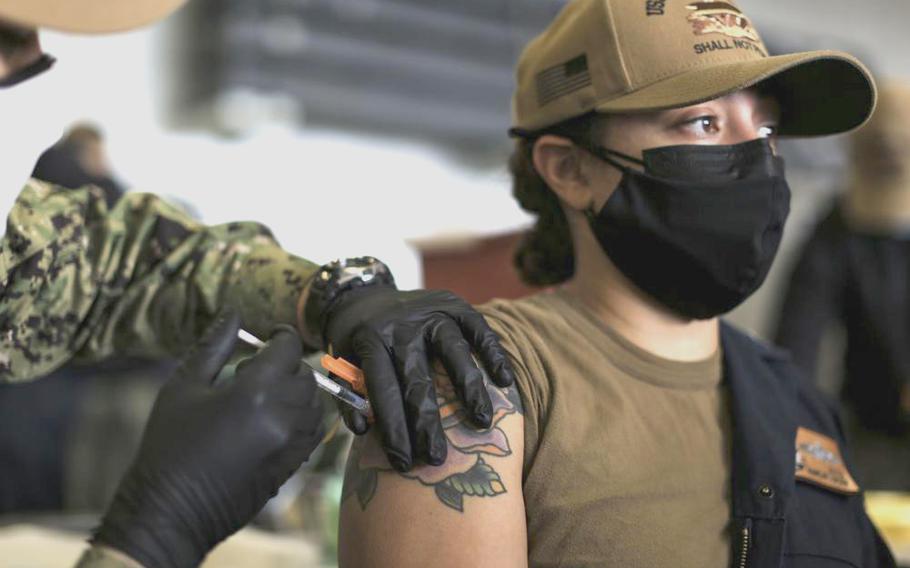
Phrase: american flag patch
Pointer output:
(562, 79)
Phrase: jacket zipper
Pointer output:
(745, 542)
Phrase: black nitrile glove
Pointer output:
(211, 456)
(392, 336)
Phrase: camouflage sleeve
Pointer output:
(143, 278)
(96, 557)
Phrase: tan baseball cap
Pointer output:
(87, 16)
(616, 56)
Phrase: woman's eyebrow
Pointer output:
(672, 115)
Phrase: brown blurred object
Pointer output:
(89, 142)
(878, 197)
(78, 159)
(890, 511)
(477, 269)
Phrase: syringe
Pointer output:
(341, 392)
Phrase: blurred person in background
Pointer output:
(854, 271)
(641, 431)
(78, 159)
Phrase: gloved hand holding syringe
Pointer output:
(334, 388)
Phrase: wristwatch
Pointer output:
(328, 284)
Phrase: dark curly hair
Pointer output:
(545, 255)
(14, 38)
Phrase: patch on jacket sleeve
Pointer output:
(819, 462)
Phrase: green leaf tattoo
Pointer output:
(449, 496)
(479, 481)
(360, 482)
(465, 473)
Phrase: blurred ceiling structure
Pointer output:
(416, 68)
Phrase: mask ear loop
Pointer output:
(607, 155)
(604, 154)
(610, 156)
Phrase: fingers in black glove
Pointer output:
(355, 421)
(212, 351)
(279, 358)
(485, 343)
(420, 405)
(455, 353)
(305, 411)
(386, 399)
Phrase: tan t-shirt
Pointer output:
(627, 455)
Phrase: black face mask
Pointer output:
(699, 228)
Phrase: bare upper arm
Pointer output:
(467, 512)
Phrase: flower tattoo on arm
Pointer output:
(464, 473)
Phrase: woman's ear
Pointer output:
(560, 163)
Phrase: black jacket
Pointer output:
(779, 521)
(862, 281)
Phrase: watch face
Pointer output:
(363, 268)
(332, 281)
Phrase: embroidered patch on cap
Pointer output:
(720, 18)
(562, 79)
(819, 462)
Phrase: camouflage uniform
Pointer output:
(143, 278)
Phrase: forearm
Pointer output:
(266, 289)
(168, 306)
(77, 279)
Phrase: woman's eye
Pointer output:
(703, 125)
